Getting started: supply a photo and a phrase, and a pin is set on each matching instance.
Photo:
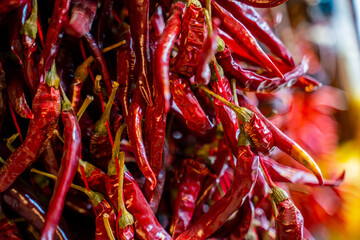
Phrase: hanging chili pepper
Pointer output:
(3, 96)
(100, 147)
(133, 124)
(289, 221)
(16, 20)
(15, 89)
(139, 16)
(99, 58)
(53, 37)
(263, 3)
(284, 143)
(46, 110)
(8, 229)
(29, 31)
(281, 173)
(8, 6)
(242, 35)
(246, 172)
(192, 38)
(248, 16)
(21, 200)
(250, 81)
(82, 17)
(69, 163)
(195, 117)
(192, 179)
(104, 21)
(163, 50)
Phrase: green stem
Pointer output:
(84, 106)
(30, 27)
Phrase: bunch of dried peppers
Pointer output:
(152, 137)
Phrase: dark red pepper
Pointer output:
(8, 229)
(69, 164)
(139, 17)
(289, 221)
(263, 3)
(104, 21)
(3, 96)
(46, 110)
(7, 6)
(190, 186)
(245, 176)
(82, 16)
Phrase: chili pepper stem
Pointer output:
(108, 227)
(266, 174)
(10, 140)
(30, 26)
(84, 106)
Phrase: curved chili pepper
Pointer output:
(15, 89)
(8, 229)
(100, 147)
(185, 99)
(246, 172)
(82, 17)
(133, 124)
(99, 57)
(242, 35)
(16, 20)
(3, 96)
(263, 3)
(163, 50)
(248, 16)
(8, 6)
(53, 36)
(281, 173)
(29, 32)
(139, 16)
(192, 38)
(69, 163)
(191, 183)
(22, 201)
(250, 81)
(46, 110)
(284, 143)
(289, 221)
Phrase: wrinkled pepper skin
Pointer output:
(245, 176)
(195, 117)
(69, 164)
(290, 223)
(46, 110)
(163, 50)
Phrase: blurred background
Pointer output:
(326, 122)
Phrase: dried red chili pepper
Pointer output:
(46, 110)
(248, 16)
(195, 117)
(99, 58)
(139, 16)
(163, 50)
(49, 159)
(82, 16)
(8, 6)
(8, 229)
(284, 143)
(104, 21)
(16, 20)
(242, 35)
(190, 185)
(53, 37)
(29, 31)
(100, 147)
(3, 96)
(246, 172)
(281, 173)
(250, 81)
(289, 221)
(263, 3)
(21, 200)
(192, 38)
(133, 123)
(69, 163)
(15, 89)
